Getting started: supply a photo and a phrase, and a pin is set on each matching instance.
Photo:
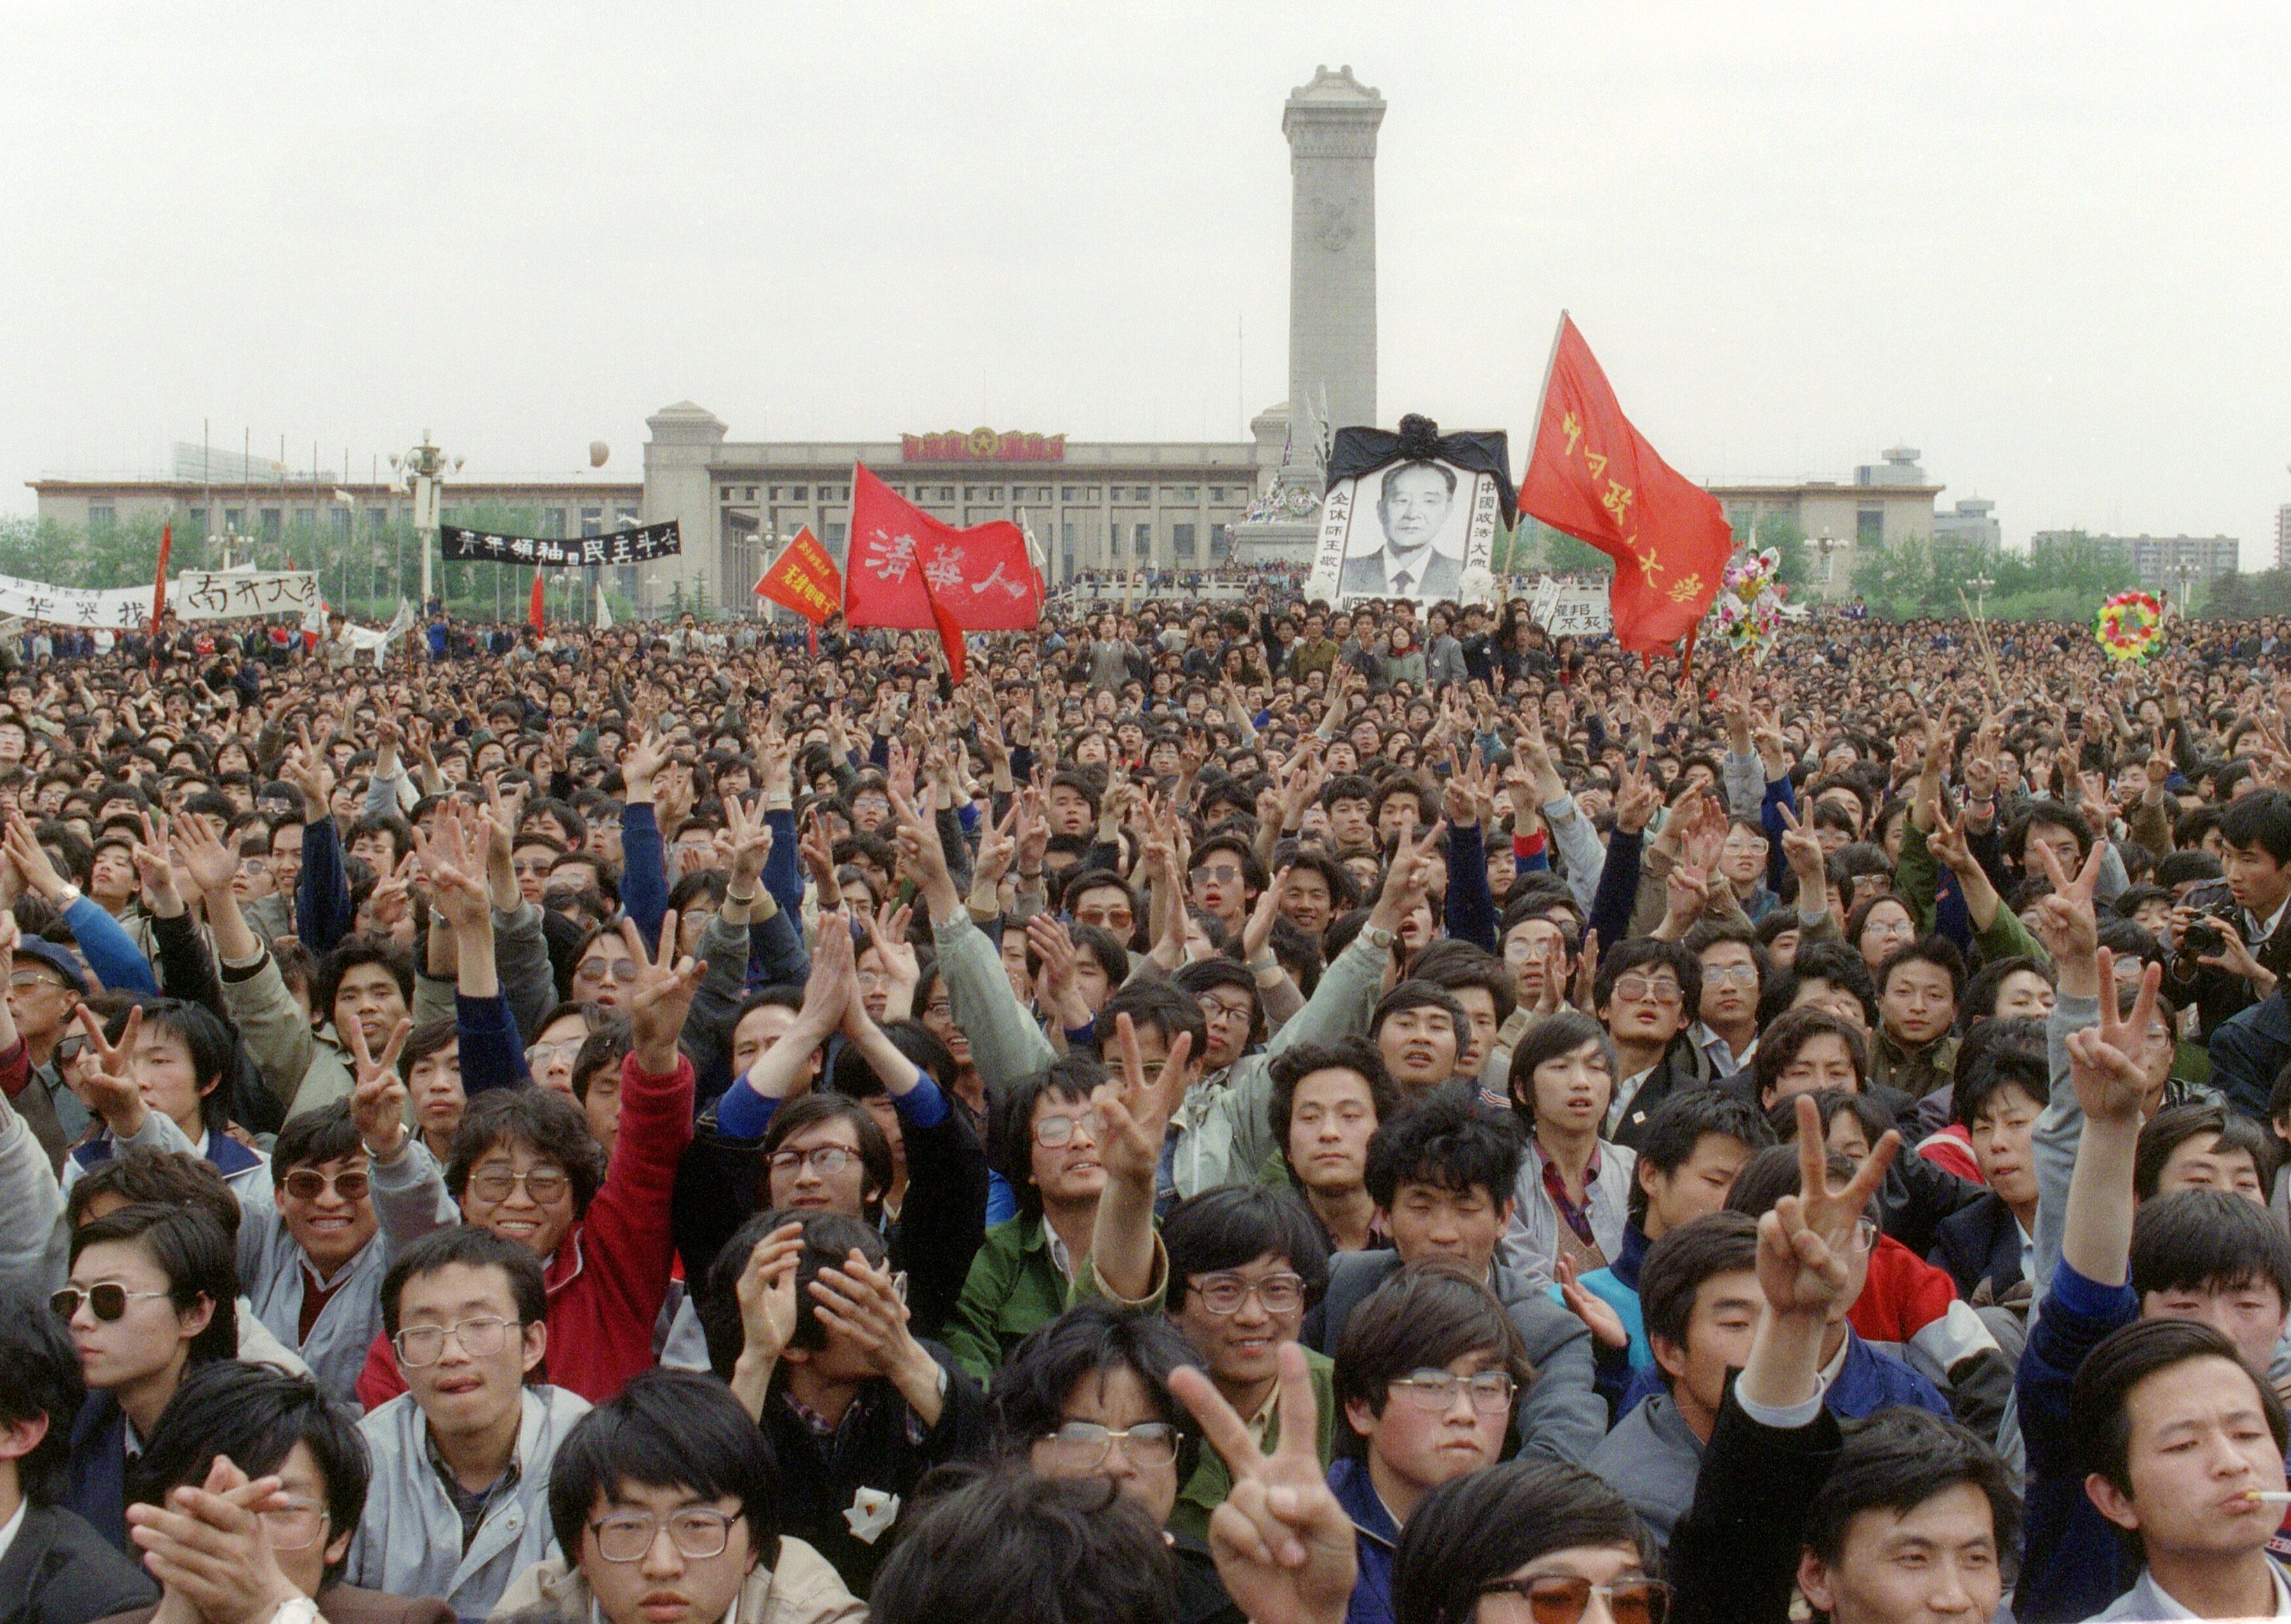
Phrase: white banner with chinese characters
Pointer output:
(1573, 609)
(195, 595)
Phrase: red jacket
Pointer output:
(610, 1275)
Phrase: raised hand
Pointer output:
(1806, 1242)
(662, 997)
(1283, 1544)
(768, 1311)
(2067, 921)
(817, 851)
(378, 1097)
(1257, 933)
(1637, 796)
(452, 860)
(1136, 1112)
(862, 1300)
(750, 835)
(1802, 851)
(153, 868)
(210, 1549)
(1407, 881)
(1587, 973)
(109, 1087)
(212, 867)
(1606, 1325)
(2104, 1062)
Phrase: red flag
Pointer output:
(159, 587)
(1595, 477)
(535, 614)
(804, 578)
(908, 570)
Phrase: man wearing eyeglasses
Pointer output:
(666, 1503)
(44, 986)
(459, 1505)
(1646, 995)
(1426, 1371)
(225, 1563)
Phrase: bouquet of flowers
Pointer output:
(1748, 608)
(2130, 626)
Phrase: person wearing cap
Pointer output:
(44, 985)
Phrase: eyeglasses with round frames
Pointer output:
(1637, 989)
(108, 1297)
(1084, 1446)
(543, 1185)
(542, 1056)
(1435, 1390)
(482, 1337)
(825, 1160)
(1730, 975)
(1224, 1294)
(294, 1526)
(623, 970)
(626, 1536)
(308, 1183)
(1561, 1598)
(1054, 1131)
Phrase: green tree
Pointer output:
(1785, 537)
(1563, 555)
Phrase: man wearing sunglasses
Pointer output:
(309, 1261)
(457, 1507)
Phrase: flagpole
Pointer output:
(1550, 365)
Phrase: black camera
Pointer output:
(2212, 902)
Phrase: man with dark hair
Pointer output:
(1442, 1176)
(461, 1460)
(1423, 1034)
(2141, 1398)
(2196, 1146)
(152, 1292)
(1019, 1548)
(855, 1407)
(2253, 900)
(1328, 1099)
(1694, 1145)
(54, 1569)
(664, 1506)
(1646, 995)
(1698, 1290)
(1087, 1396)
(1426, 1371)
(1918, 985)
(1906, 1517)
(266, 1424)
(1990, 1247)
(1734, 972)
(1482, 987)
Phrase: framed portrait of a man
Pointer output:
(1409, 529)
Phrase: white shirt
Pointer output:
(1624, 1091)
(2260, 933)
(2172, 1609)
(11, 1527)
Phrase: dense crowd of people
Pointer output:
(1263, 1110)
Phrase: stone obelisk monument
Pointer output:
(1331, 125)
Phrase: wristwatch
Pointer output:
(1378, 936)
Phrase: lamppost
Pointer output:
(1980, 583)
(427, 464)
(1828, 544)
(2183, 572)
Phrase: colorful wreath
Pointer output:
(2130, 626)
(1748, 609)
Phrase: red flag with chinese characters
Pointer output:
(804, 578)
(534, 613)
(905, 569)
(1595, 476)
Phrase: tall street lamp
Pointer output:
(1827, 543)
(428, 465)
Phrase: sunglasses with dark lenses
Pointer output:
(108, 1297)
(1560, 1598)
(307, 1184)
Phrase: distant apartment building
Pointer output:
(2157, 559)
(2283, 536)
(1973, 525)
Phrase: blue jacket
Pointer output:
(1867, 1381)
(2073, 1563)
(97, 1489)
(1376, 1537)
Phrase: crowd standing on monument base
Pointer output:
(1250, 1110)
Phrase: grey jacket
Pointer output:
(32, 1242)
(1653, 1458)
(1559, 1415)
(271, 1273)
(1531, 1244)
(409, 1541)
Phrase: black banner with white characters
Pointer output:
(635, 545)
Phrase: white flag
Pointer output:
(604, 610)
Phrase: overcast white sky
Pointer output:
(2047, 245)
